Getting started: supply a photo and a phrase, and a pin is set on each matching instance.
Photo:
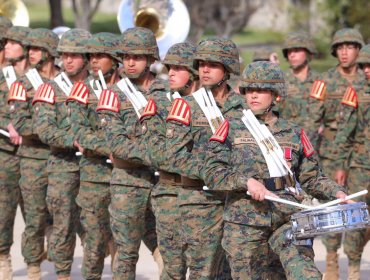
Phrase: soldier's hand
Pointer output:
(111, 158)
(257, 190)
(15, 138)
(340, 177)
(342, 195)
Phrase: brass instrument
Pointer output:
(16, 11)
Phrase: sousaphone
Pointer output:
(16, 11)
(168, 19)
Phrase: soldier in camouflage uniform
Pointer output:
(187, 134)
(265, 54)
(95, 173)
(300, 105)
(53, 126)
(5, 24)
(351, 141)
(10, 195)
(131, 217)
(345, 46)
(236, 164)
(33, 153)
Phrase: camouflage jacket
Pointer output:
(353, 136)
(53, 126)
(231, 163)
(187, 143)
(336, 86)
(124, 131)
(89, 134)
(5, 143)
(23, 116)
(299, 107)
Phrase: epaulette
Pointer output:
(108, 101)
(79, 93)
(307, 146)
(17, 92)
(149, 110)
(221, 133)
(318, 90)
(45, 93)
(350, 97)
(180, 112)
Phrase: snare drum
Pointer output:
(340, 218)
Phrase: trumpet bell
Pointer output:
(169, 29)
(16, 11)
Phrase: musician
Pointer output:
(235, 163)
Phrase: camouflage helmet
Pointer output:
(219, 50)
(346, 35)
(262, 54)
(103, 42)
(18, 34)
(263, 75)
(364, 55)
(298, 40)
(181, 54)
(139, 40)
(74, 41)
(5, 24)
(44, 38)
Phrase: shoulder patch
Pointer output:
(108, 101)
(45, 93)
(221, 133)
(350, 97)
(17, 92)
(307, 146)
(79, 93)
(318, 90)
(180, 112)
(150, 109)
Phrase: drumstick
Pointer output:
(5, 133)
(284, 201)
(337, 201)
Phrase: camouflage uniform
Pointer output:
(336, 85)
(201, 211)
(33, 154)
(234, 157)
(300, 106)
(9, 165)
(131, 217)
(95, 173)
(53, 125)
(351, 141)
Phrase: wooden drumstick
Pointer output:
(337, 201)
(284, 201)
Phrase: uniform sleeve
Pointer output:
(48, 130)
(21, 117)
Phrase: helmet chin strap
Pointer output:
(41, 62)
(263, 112)
(220, 83)
(183, 89)
(301, 66)
(79, 70)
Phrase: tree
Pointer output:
(56, 15)
(83, 11)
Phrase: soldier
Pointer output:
(5, 24)
(131, 217)
(187, 132)
(300, 106)
(33, 153)
(351, 141)
(265, 54)
(10, 195)
(53, 125)
(236, 164)
(94, 194)
(345, 47)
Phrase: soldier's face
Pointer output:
(259, 99)
(13, 49)
(134, 64)
(296, 57)
(347, 54)
(366, 69)
(100, 61)
(72, 62)
(35, 55)
(178, 76)
(210, 73)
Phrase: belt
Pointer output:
(57, 150)
(125, 164)
(32, 141)
(169, 178)
(278, 183)
(328, 134)
(188, 182)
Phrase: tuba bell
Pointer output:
(168, 19)
(16, 11)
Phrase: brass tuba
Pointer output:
(168, 19)
(16, 11)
